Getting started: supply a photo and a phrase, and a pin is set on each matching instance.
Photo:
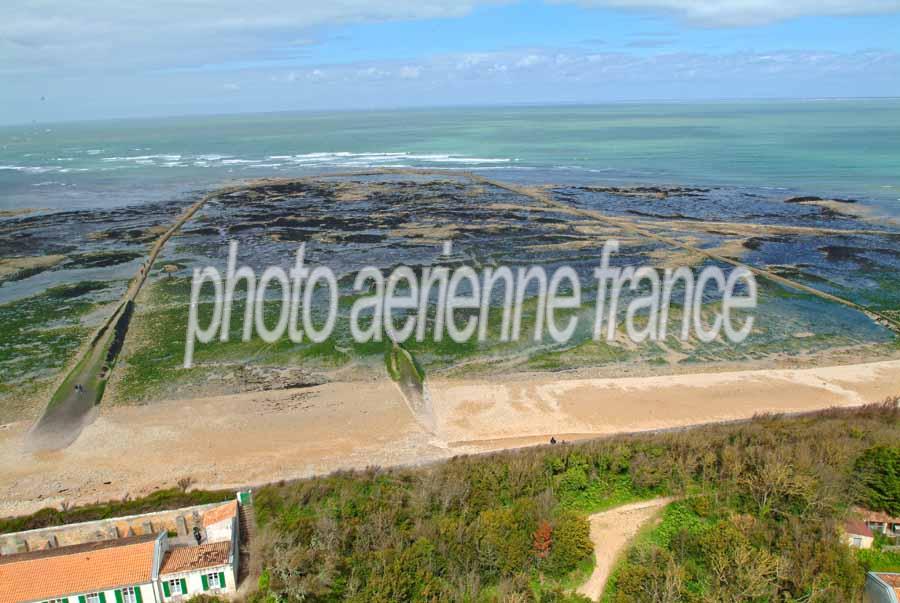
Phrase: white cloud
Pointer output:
(718, 13)
(106, 34)
(530, 60)
(103, 36)
(90, 57)
(554, 67)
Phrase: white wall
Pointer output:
(865, 541)
(195, 582)
(148, 594)
(219, 531)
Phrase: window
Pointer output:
(93, 598)
(213, 580)
(128, 595)
(174, 587)
(857, 541)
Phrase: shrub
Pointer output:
(571, 543)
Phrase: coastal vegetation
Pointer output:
(759, 518)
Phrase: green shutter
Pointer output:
(183, 587)
(165, 589)
(82, 599)
(205, 581)
(118, 596)
(137, 594)
(102, 597)
(221, 579)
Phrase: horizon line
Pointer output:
(400, 108)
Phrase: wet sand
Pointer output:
(256, 438)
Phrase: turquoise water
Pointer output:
(827, 148)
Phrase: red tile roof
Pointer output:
(857, 527)
(189, 558)
(220, 513)
(71, 570)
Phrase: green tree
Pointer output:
(877, 479)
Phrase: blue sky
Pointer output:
(80, 59)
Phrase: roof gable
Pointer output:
(220, 513)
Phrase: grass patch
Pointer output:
(41, 332)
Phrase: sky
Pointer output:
(63, 60)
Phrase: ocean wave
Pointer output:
(346, 159)
(30, 169)
(49, 183)
(142, 158)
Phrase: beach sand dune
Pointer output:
(255, 438)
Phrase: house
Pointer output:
(858, 534)
(208, 567)
(149, 568)
(118, 571)
(882, 587)
(879, 521)
(195, 569)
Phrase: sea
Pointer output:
(828, 148)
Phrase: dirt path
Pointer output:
(611, 531)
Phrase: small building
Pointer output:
(149, 568)
(858, 534)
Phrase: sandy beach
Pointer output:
(257, 438)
